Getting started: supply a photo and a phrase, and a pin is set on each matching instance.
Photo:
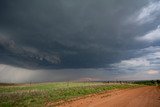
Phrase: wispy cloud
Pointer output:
(146, 14)
(151, 36)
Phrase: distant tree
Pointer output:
(158, 82)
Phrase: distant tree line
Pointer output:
(148, 82)
(141, 82)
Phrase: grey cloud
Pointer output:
(148, 59)
(21, 75)
(151, 36)
(72, 34)
(146, 14)
(10, 48)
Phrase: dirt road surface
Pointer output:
(138, 97)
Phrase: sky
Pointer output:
(65, 40)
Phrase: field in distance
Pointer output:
(41, 94)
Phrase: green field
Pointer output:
(38, 95)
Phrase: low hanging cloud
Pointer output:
(11, 48)
(151, 36)
(21, 75)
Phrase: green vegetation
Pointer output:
(148, 82)
(40, 94)
(45, 86)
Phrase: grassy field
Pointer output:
(38, 95)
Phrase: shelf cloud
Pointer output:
(65, 40)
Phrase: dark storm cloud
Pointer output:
(108, 37)
(78, 34)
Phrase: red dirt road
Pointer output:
(138, 97)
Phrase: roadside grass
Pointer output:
(38, 95)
